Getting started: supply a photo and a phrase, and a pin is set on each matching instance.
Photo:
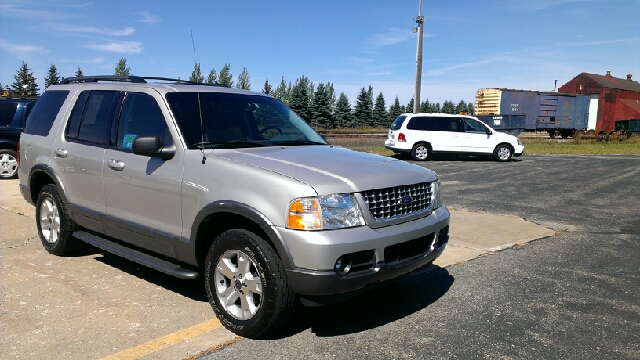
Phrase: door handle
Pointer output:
(61, 153)
(116, 165)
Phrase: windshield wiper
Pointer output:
(233, 144)
(299, 142)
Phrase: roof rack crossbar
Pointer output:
(130, 78)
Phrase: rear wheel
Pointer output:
(55, 226)
(247, 285)
(502, 152)
(420, 152)
(8, 164)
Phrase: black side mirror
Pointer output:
(152, 146)
(488, 131)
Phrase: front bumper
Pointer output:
(315, 253)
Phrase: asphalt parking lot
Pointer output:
(572, 295)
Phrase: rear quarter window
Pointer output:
(45, 111)
(7, 112)
(420, 123)
(397, 123)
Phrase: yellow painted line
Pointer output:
(165, 341)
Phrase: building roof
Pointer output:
(611, 82)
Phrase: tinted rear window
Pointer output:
(7, 112)
(419, 123)
(45, 111)
(397, 123)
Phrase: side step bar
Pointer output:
(137, 256)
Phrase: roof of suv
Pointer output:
(161, 84)
(436, 114)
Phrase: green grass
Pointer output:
(581, 147)
(532, 146)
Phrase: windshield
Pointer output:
(238, 121)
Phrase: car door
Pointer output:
(143, 193)
(78, 155)
(475, 138)
(445, 134)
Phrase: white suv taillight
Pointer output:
(402, 138)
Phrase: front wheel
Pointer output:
(247, 285)
(420, 152)
(502, 153)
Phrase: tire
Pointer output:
(502, 153)
(420, 152)
(8, 164)
(247, 285)
(55, 226)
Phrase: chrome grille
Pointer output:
(388, 203)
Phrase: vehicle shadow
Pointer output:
(373, 308)
(452, 157)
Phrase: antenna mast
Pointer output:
(195, 62)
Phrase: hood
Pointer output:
(331, 169)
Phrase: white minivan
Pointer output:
(424, 134)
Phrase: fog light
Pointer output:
(343, 265)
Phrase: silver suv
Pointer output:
(225, 184)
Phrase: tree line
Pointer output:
(317, 104)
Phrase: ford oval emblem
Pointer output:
(406, 200)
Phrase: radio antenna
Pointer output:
(195, 61)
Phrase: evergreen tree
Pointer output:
(448, 107)
(343, 115)
(321, 107)
(409, 107)
(212, 78)
(461, 107)
(53, 77)
(363, 109)
(281, 92)
(196, 74)
(424, 106)
(244, 81)
(79, 72)
(471, 109)
(225, 77)
(300, 98)
(380, 115)
(266, 89)
(396, 109)
(25, 83)
(122, 69)
(435, 108)
(332, 97)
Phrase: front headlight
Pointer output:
(436, 199)
(324, 212)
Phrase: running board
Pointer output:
(137, 256)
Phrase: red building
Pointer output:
(611, 99)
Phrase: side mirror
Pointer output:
(488, 131)
(152, 146)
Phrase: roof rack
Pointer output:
(130, 78)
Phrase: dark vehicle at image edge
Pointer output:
(13, 116)
(225, 184)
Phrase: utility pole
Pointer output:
(419, 29)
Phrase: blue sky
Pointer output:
(520, 44)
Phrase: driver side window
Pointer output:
(141, 116)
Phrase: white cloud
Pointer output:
(92, 30)
(20, 51)
(125, 47)
(359, 60)
(391, 37)
(148, 18)
(96, 60)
